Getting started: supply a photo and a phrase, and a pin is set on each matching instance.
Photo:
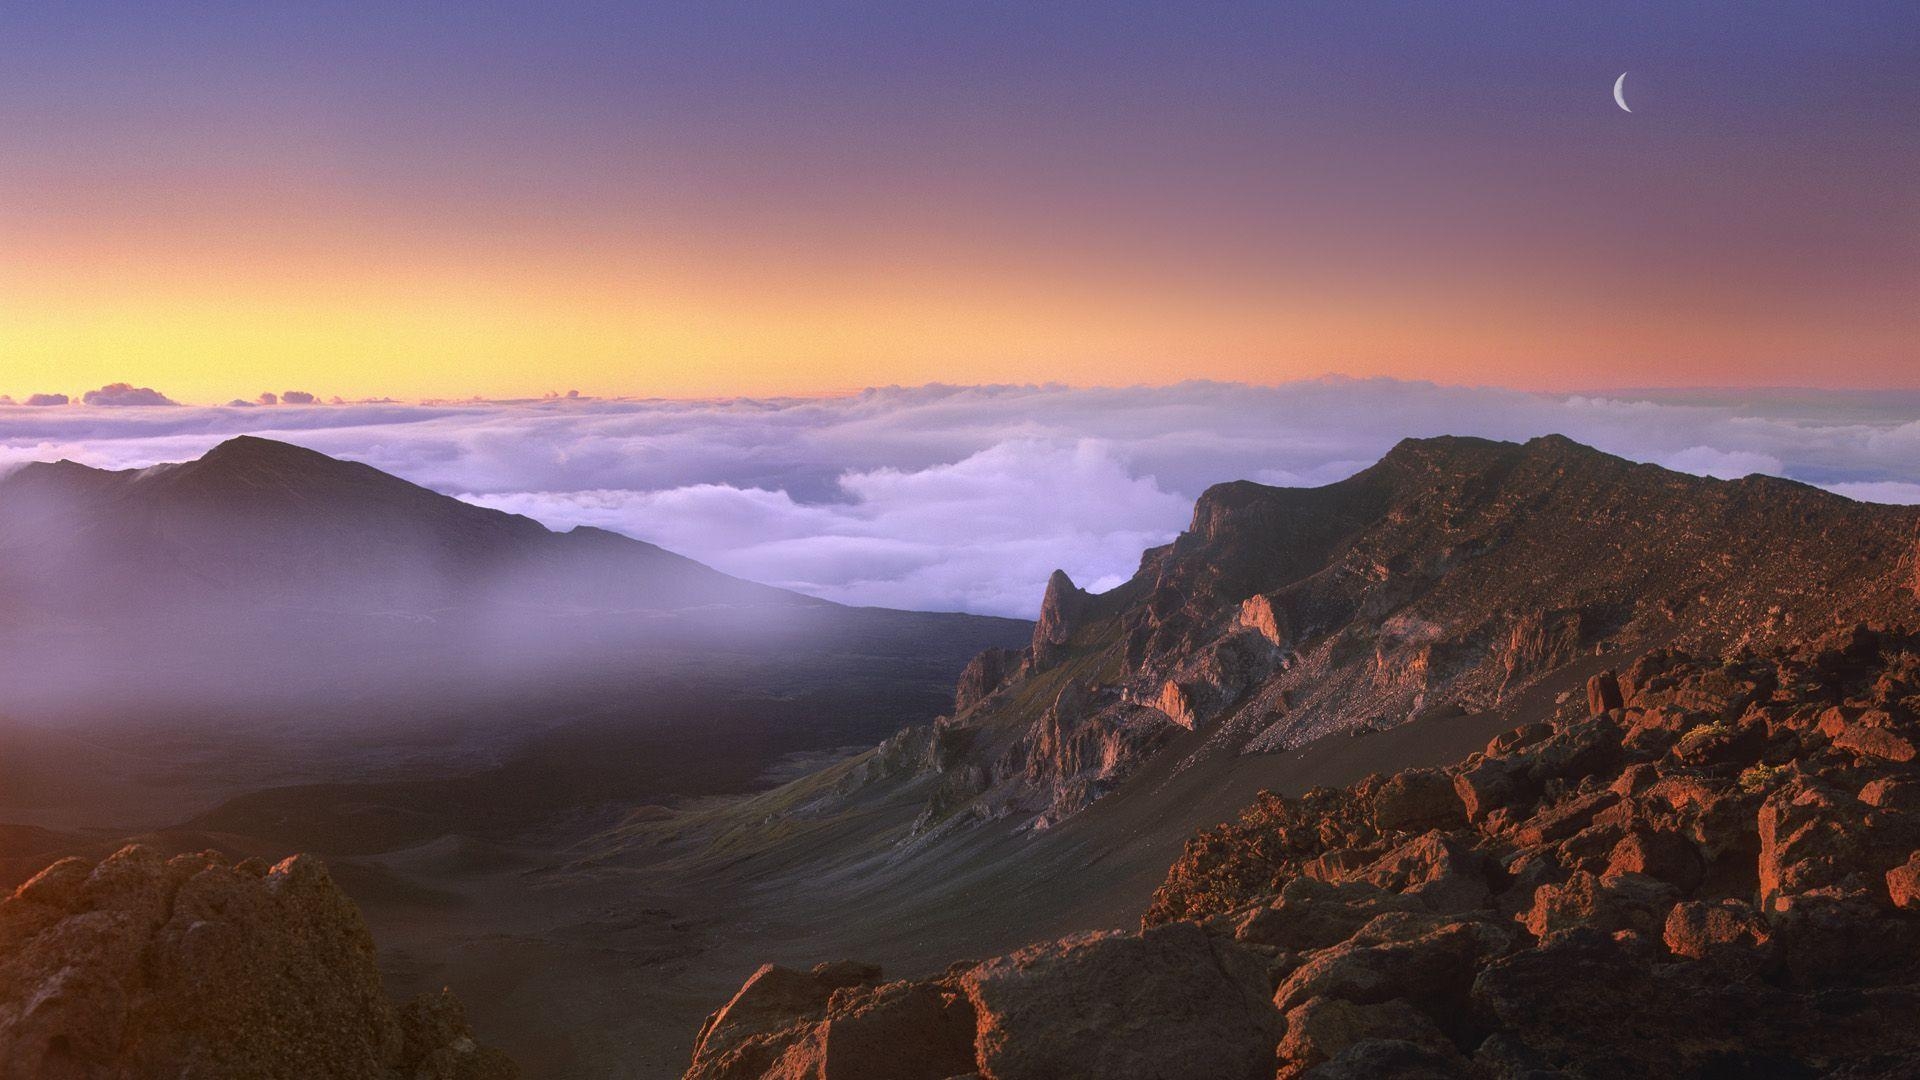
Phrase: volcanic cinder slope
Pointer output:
(1430, 602)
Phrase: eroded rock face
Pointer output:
(142, 967)
(1060, 611)
(986, 672)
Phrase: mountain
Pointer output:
(1453, 706)
(1447, 579)
(1706, 866)
(262, 524)
(269, 616)
(1289, 640)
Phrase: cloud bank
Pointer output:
(123, 394)
(964, 498)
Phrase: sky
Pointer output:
(967, 497)
(772, 198)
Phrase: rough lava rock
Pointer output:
(1584, 901)
(142, 967)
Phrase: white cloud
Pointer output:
(1898, 492)
(1725, 464)
(965, 497)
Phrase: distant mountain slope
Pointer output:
(261, 523)
(265, 595)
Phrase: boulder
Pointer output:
(1427, 960)
(1811, 836)
(1494, 784)
(1613, 903)
(1903, 884)
(1603, 693)
(1662, 855)
(1310, 915)
(1417, 800)
(1321, 1029)
(1170, 1003)
(773, 998)
(1443, 873)
(1874, 742)
(1698, 930)
(140, 966)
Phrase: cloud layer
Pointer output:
(965, 498)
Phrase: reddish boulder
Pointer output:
(1603, 693)
(1874, 742)
(1494, 784)
(1170, 1002)
(1903, 884)
(1613, 903)
(771, 999)
(1417, 800)
(1320, 1029)
(1443, 873)
(1811, 836)
(1523, 736)
(1558, 821)
(1697, 930)
(1428, 960)
(141, 967)
(1892, 793)
(1665, 856)
(1310, 915)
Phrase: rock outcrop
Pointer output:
(141, 967)
(1692, 870)
(1454, 576)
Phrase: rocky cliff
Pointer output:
(1700, 866)
(1454, 576)
(141, 967)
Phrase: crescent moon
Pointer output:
(1620, 91)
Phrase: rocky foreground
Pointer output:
(1708, 868)
(140, 967)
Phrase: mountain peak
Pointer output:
(253, 451)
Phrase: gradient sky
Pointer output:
(713, 198)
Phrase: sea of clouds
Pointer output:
(965, 498)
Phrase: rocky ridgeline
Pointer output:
(1708, 868)
(1453, 576)
(141, 967)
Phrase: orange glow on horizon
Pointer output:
(210, 307)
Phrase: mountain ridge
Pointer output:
(258, 514)
(1451, 574)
